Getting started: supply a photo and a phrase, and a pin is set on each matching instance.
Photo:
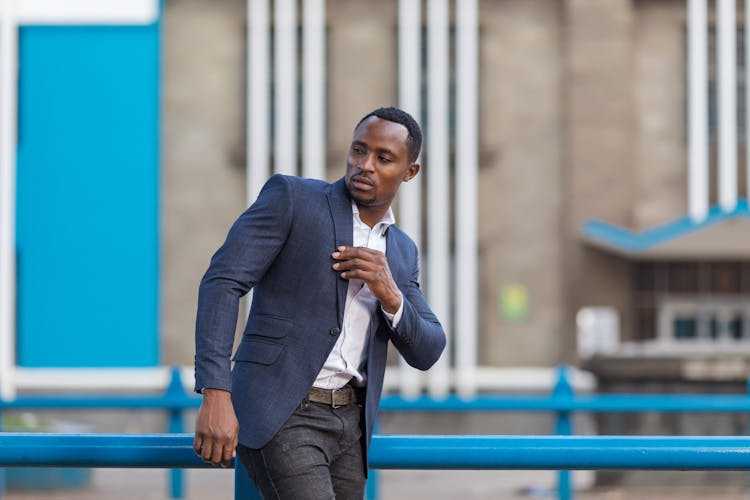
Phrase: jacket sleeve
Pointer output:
(252, 244)
(419, 336)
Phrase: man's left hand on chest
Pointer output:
(370, 266)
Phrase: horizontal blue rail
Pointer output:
(166, 401)
(402, 452)
(595, 403)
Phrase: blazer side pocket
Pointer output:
(268, 326)
(258, 351)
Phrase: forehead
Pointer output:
(379, 133)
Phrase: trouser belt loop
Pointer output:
(333, 398)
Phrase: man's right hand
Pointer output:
(216, 428)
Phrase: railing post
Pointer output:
(2, 469)
(563, 427)
(371, 487)
(244, 489)
(175, 391)
(748, 392)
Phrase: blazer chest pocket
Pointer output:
(258, 351)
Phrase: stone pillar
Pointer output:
(520, 177)
(660, 162)
(203, 171)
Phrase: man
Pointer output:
(333, 281)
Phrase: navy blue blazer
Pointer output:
(281, 248)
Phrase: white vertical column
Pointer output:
(285, 102)
(410, 100)
(258, 112)
(8, 135)
(467, 90)
(438, 279)
(697, 109)
(727, 103)
(258, 105)
(314, 67)
(410, 193)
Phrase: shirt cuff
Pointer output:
(395, 317)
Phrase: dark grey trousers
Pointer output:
(317, 455)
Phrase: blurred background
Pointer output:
(583, 197)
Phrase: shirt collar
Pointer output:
(387, 220)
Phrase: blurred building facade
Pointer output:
(582, 115)
(588, 247)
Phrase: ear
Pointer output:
(411, 172)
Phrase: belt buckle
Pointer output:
(333, 398)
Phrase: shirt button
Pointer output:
(334, 331)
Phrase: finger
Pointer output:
(340, 252)
(369, 253)
(197, 444)
(346, 253)
(365, 274)
(207, 449)
(218, 454)
(227, 456)
(355, 263)
(359, 274)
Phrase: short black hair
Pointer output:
(396, 115)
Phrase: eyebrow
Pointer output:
(379, 150)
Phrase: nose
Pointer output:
(367, 164)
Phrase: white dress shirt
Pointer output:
(349, 356)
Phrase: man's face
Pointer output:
(378, 162)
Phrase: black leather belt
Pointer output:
(347, 395)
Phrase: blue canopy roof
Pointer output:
(720, 234)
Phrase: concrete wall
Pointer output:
(362, 68)
(659, 163)
(520, 176)
(202, 135)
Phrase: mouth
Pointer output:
(362, 184)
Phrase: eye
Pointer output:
(358, 149)
(384, 159)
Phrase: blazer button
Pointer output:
(334, 331)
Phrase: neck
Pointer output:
(372, 215)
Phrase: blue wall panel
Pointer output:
(88, 196)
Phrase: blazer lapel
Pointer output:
(341, 211)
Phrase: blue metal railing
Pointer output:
(402, 452)
(575, 403)
(175, 401)
(399, 452)
(563, 402)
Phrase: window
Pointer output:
(691, 301)
(714, 319)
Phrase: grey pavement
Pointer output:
(151, 484)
